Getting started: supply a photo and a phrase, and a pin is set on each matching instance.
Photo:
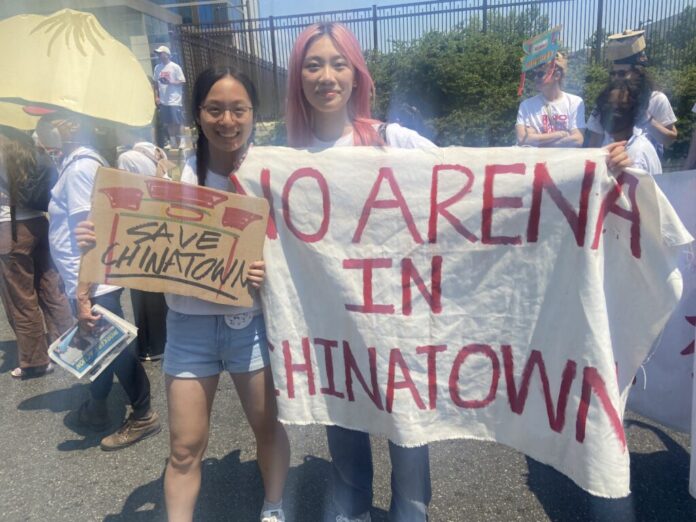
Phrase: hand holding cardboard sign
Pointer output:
(257, 271)
(85, 236)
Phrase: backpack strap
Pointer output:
(93, 157)
(382, 131)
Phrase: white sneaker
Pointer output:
(363, 517)
(273, 515)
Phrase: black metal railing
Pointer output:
(261, 47)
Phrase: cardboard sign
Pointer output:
(163, 236)
(497, 294)
(541, 49)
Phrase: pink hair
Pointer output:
(298, 110)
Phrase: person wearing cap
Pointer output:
(626, 51)
(170, 80)
(552, 118)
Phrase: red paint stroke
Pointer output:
(124, 197)
(689, 350)
(238, 218)
(184, 194)
(112, 239)
(230, 257)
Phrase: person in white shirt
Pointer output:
(70, 204)
(620, 106)
(691, 158)
(552, 118)
(628, 60)
(170, 80)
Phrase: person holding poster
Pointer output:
(552, 118)
(205, 339)
(70, 204)
(620, 106)
(628, 60)
(329, 95)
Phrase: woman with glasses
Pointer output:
(205, 339)
(629, 62)
(552, 118)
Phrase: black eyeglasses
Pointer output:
(216, 112)
(536, 75)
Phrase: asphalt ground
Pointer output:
(53, 470)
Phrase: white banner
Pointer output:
(495, 294)
(663, 390)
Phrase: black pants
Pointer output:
(126, 366)
(150, 314)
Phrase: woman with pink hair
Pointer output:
(328, 105)
(329, 96)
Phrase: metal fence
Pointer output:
(261, 47)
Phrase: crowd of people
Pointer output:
(328, 105)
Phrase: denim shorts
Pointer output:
(204, 345)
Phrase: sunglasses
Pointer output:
(621, 73)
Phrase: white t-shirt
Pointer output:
(70, 196)
(643, 154)
(566, 113)
(397, 136)
(169, 94)
(185, 304)
(658, 107)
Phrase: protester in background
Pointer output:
(691, 157)
(552, 118)
(149, 308)
(170, 80)
(620, 107)
(205, 339)
(30, 287)
(329, 95)
(627, 53)
(70, 204)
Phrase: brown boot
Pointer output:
(132, 431)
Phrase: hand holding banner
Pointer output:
(496, 294)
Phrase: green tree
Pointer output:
(464, 82)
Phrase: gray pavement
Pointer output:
(53, 470)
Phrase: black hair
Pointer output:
(636, 98)
(204, 82)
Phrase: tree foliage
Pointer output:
(463, 83)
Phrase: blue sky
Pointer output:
(289, 7)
